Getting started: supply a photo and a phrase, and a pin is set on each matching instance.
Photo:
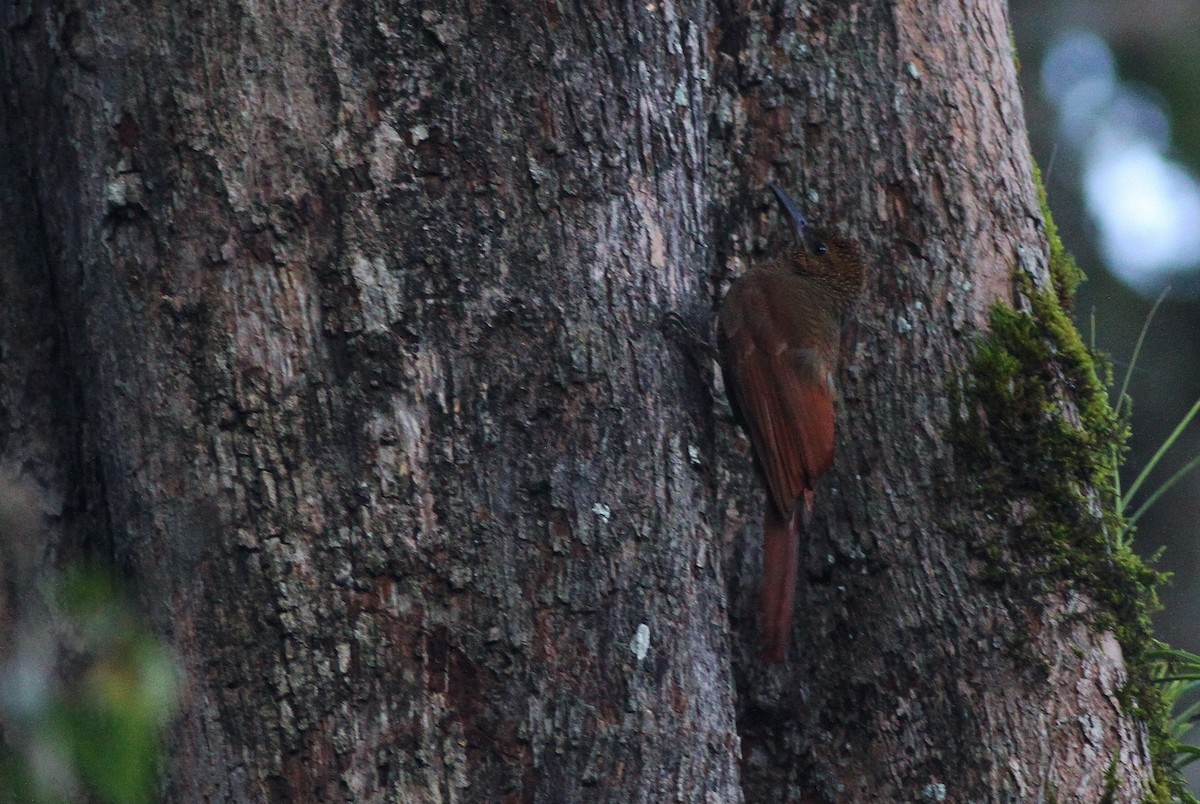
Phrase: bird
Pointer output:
(778, 339)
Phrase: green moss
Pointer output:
(1110, 783)
(1032, 422)
(1064, 272)
(1020, 649)
(1037, 421)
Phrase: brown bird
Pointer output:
(778, 333)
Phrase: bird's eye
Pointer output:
(813, 243)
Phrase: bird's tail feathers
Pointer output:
(781, 547)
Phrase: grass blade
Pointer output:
(1158, 492)
(1137, 348)
(1153, 462)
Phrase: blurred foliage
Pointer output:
(1178, 674)
(87, 696)
(1171, 68)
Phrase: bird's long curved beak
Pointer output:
(799, 222)
(805, 233)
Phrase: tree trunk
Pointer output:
(359, 307)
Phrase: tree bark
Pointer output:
(359, 306)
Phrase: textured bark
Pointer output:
(905, 120)
(359, 306)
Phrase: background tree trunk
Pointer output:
(339, 327)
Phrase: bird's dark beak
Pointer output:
(804, 231)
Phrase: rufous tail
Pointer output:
(781, 548)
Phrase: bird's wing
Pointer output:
(784, 395)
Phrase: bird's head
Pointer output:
(821, 253)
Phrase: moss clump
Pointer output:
(1037, 422)
(1064, 272)
(1110, 783)
(1032, 422)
